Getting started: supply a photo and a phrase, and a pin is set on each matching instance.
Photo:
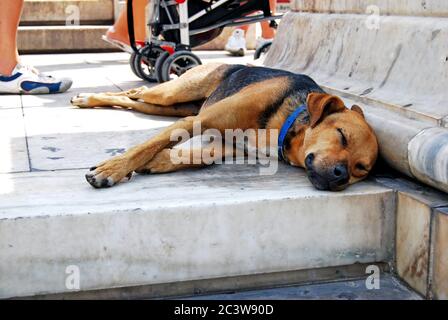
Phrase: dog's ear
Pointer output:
(321, 104)
(358, 109)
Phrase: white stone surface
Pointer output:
(384, 64)
(13, 149)
(56, 151)
(428, 155)
(197, 224)
(10, 101)
(431, 8)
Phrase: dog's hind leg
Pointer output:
(194, 85)
(122, 101)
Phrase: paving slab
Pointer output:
(10, 101)
(68, 138)
(13, 147)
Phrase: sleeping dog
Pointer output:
(315, 130)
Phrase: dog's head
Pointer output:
(338, 148)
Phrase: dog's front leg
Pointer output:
(112, 171)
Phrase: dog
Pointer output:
(334, 144)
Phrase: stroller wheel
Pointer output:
(144, 63)
(177, 64)
(159, 65)
(262, 50)
(132, 63)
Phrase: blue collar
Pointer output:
(285, 128)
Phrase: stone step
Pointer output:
(67, 12)
(216, 222)
(83, 38)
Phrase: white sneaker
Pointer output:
(236, 45)
(261, 41)
(27, 80)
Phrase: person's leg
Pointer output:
(266, 31)
(15, 77)
(119, 31)
(10, 11)
(244, 28)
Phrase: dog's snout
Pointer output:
(334, 177)
(309, 161)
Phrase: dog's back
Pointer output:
(237, 77)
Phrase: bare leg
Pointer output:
(244, 28)
(266, 31)
(120, 29)
(10, 11)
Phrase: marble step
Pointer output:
(217, 222)
(56, 39)
(67, 12)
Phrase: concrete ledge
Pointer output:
(421, 245)
(433, 8)
(217, 222)
(60, 12)
(428, 156)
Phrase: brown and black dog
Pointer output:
(334, 144)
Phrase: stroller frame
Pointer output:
(183, 23)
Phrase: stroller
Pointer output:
(176, 26)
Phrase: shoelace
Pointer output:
(35, 71)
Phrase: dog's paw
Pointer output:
(108, 173)
(82, 100)
(136, 93)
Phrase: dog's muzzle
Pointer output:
(334, 178)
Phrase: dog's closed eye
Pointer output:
(343, 138)
(361, 167)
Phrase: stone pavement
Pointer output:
(46, 133)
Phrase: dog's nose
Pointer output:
(309, 161)
(340, 174)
